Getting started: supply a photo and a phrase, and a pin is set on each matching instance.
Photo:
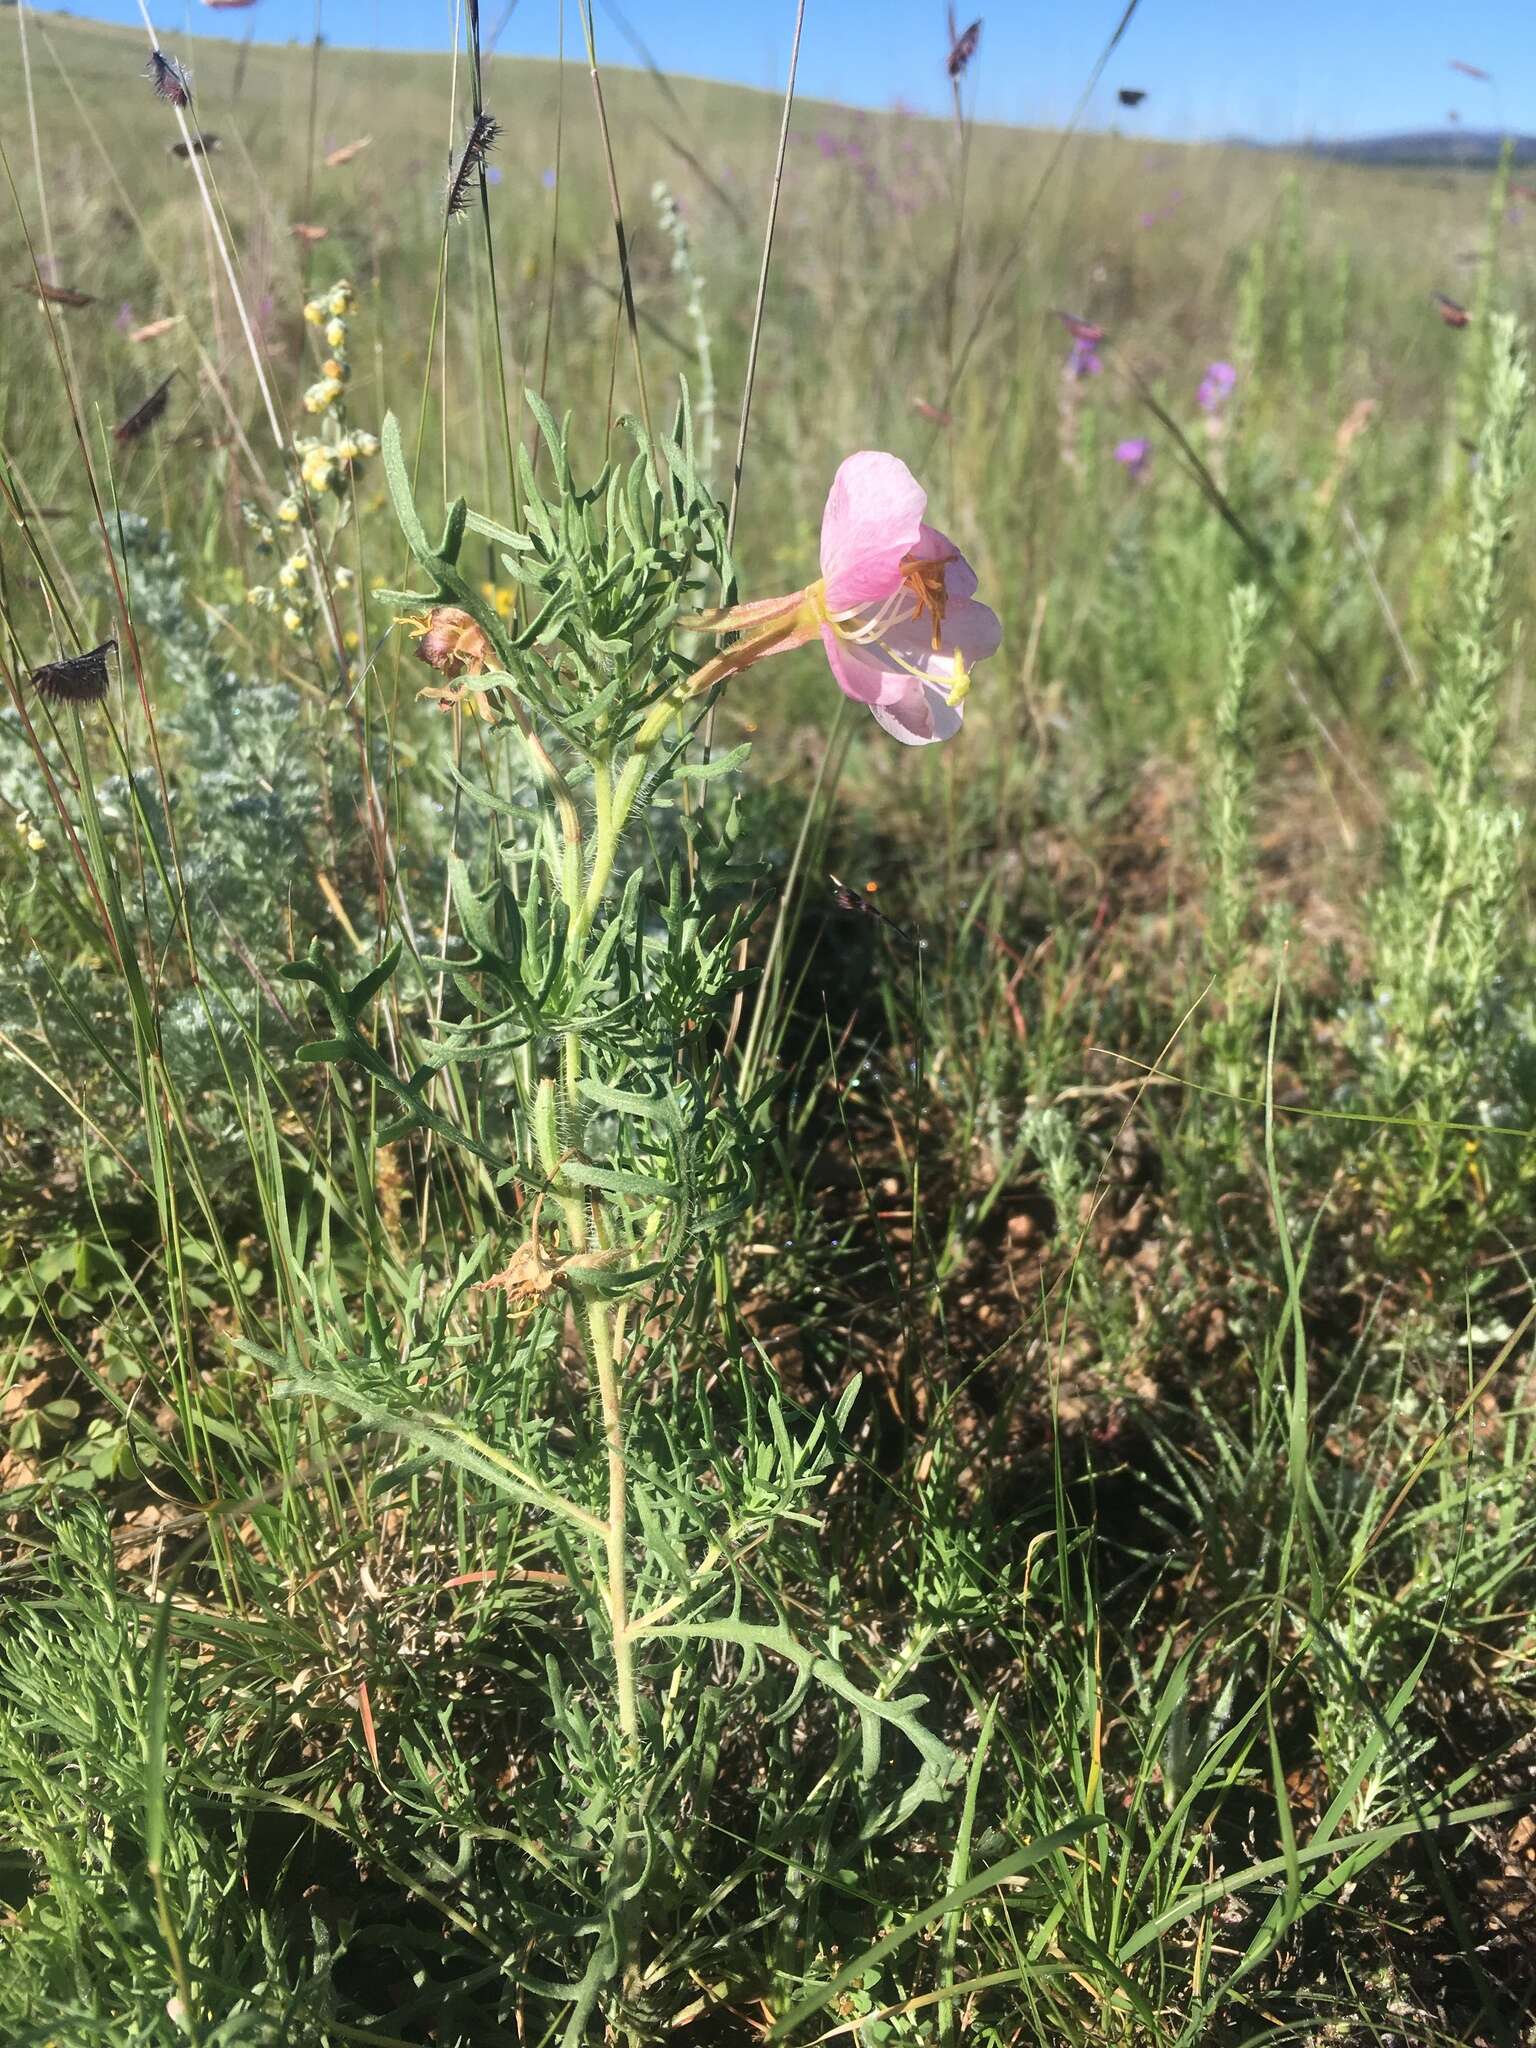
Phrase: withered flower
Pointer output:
(448, 640)
(529, 1278)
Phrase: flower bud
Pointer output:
(546, 1127)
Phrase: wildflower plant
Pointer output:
(894, 607)
(1231, 1030)
(1441, 920)
(580, 1074)
(673, 223)
(328, 465)
(1216, 387)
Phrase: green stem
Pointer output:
(582, 896)
(610, 1398)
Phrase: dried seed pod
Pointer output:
(56, 294)
(77, 679)
(962, 48)
(483, 136)
(153, 329)
(143, 417)
(170, 81)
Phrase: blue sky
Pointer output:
(1274, 69)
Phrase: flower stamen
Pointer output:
(926, 580)
(923, 585)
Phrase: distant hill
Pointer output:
(376, 87)
(1465, 148)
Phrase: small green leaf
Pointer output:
(362, 993)
(453, 531)
(503, 536)
(319, 1052)
(618, 1180)
(314, 969)
(399, 483)
(706, 771)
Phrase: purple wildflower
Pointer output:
(1169, 207)
(1133, 456)
(126, 318)
(1083, 359)
(1216, 387)
(828, 143)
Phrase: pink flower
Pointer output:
(894, 607)
(1216, 387)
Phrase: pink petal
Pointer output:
(972, 629)
(887, 670)
(921, 716)
(873, 521)
(969, 629)
(959, 576)
(861, 673)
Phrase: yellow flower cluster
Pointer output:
(328, 464)
(335, 304)
(28, 833)
(292, 604)
(329, 312)
(293, 601)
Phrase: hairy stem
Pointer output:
(605, 1368)
(582, 896)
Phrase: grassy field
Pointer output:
(603, 1435)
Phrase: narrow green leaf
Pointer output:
(988, 1880)
(319, 1052)
(399, 482)
(362, 993)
